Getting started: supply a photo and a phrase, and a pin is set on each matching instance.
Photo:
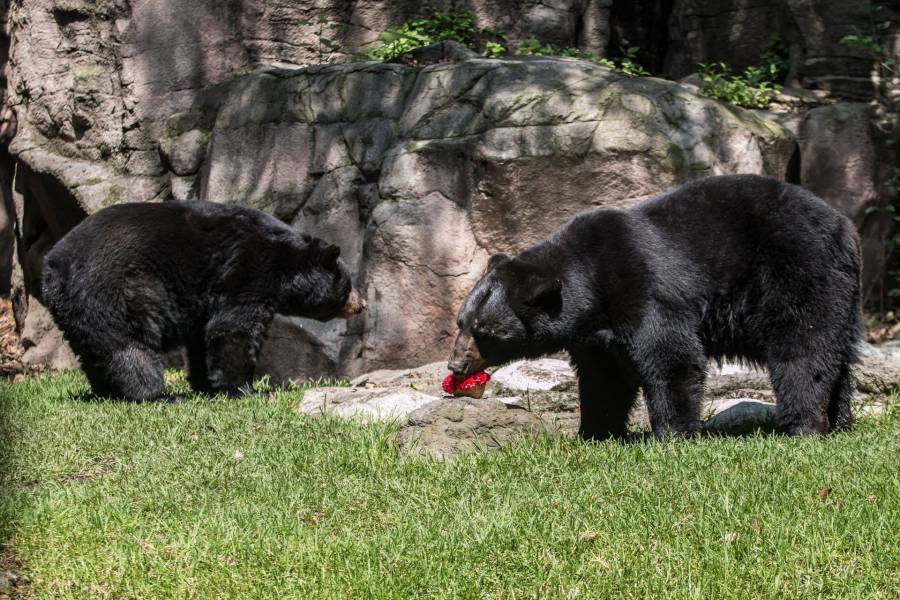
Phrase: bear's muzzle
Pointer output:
(355, 304)
(466, 359)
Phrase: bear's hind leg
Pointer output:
(97, 378)
(136, 373)
(803, 389)
(607, 389)
(840, 415)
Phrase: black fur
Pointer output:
(739, 267)
(135, 280)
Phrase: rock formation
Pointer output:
(540, 397)
(418, 172)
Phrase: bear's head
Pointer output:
(319, 285)
(511, 313)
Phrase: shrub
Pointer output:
(457, 26)
(755, 88)
(627, 64)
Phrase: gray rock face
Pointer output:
(732, 380)
(878, 376)
(293, 352)
(43, 342)
(421, 174)
(848, 160)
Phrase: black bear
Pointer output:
(135, 280)
(739, 267)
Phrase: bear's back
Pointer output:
(729, 224)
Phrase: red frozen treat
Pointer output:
(472, 386)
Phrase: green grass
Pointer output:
(248, 499)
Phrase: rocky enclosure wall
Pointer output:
(419, 173)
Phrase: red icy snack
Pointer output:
(472, 386)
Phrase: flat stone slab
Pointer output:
(449, 426)
(372, 404)
(426, 378)
(542, 402)
(541, 375)
(739, 416)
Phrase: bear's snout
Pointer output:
(466, 359)
(355, 304)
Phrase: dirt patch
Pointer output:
(11, 365)
(95, 468)
(12, 583)
(882, 328)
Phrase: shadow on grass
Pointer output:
(647, 437)
(10, 566)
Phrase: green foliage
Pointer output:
(494, 49)
(532, 47)
(862, 42)
(627, 64)
(325, 31)
(457, 26)
(493, 43)
(873, 46)
(753, 89)
(756, 86)
(774, 58)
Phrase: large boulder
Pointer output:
(420, 174)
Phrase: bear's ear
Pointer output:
(545, 293)
(330, 254)
(535, 287)
(495, 260)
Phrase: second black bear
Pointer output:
(739, 267)
(134, 280)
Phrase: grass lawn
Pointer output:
(220, 498)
